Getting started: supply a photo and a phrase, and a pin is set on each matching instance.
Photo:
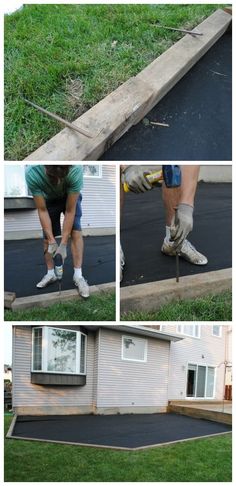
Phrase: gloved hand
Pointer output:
(134, 176)
(52, 248)
(181, 225)
(62, 251)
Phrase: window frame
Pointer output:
(220, 331)
(45, 351)
(125, 336)
(99, 176)
(27, 193)
(206, 380)
(181, 331)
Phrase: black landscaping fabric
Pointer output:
(199, 113)
(24, 265)
(128, 431)
(143, 231)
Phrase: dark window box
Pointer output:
(57, 379)
(19, 203)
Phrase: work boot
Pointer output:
(46, 280)
(188, 252)
(82, 285)
(122, 263)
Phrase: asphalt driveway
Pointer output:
(198, 111)
(143, 231)
(24, 265)
(121, 431)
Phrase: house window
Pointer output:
(58, 350)
(92, 171)
(14, 181)
(192, 330)
(216, 331)
(200, 381)
(134, 349)
(37, 349)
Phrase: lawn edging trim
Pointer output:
(46, 300)
(9, 433)
(154, 295)
(119, 448)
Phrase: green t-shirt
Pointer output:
(40, 185)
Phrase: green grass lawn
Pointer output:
(200, 460)
(55, 51)
(209, 308)
(99, 307)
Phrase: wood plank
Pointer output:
(45, 300)
(151, 296)
(9, 298)
(127, 105)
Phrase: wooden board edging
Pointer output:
(125, 449)
(153, 295)
(45, 300)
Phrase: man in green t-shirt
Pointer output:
(56, 189)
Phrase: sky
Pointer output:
(12, 6)
(7, 343)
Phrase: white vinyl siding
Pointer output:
(99, 200)
(98, 206)
(126, 383)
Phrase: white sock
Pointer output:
(168, 233)
(51, 272)
(78, 272)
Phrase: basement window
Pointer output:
(134, 349)
(56, 350)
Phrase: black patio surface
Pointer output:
(128, 431)
(143, 231)
(24, 265)
(199, 113)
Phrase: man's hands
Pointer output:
(134, 176)
(181, 225)
(62, 251)
(54, 250)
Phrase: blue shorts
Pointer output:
(56, 207)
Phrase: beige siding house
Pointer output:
(116, 368)
(124, 369)
(201, 363)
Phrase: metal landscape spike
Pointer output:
(59, 119)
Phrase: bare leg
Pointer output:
(171, 197)
(77, 248)
(122, 199)
(47, 256)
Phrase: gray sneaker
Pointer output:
(188, 252)
(46, 280)
(83, 287)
